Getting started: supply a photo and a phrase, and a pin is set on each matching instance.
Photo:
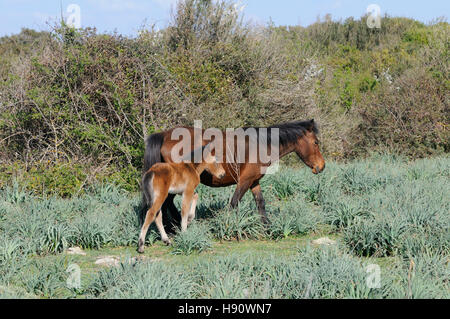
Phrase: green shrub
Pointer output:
(374, 238)
(56, 239)
(237, 224)
(46, 278)
(283, 185)
(152, 280)
(343, 212)
(196, 238)
(294, 217)
(84, 109)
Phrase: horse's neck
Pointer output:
(286, 150)
(199, 168)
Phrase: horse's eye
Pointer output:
(317, 143)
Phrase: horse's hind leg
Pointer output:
(191, 215)
(186, 208)
(149, 218)
(162, 231)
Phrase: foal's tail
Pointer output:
(152, 155)
(147, 189)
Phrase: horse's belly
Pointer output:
(177, 190)
(211, 181)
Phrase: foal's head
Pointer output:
(211, 164)
(307, 148)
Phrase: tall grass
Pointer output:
(310, 273)
(383, 206)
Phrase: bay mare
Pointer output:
(299, 137)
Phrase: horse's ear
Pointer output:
(208, 155)
(208, 149)
(312, 125)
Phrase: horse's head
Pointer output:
(307, 148)
(212, 166)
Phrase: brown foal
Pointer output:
(163, 179)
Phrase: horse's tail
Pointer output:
(147, 189)
(152, 155)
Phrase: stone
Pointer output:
(324, 241)
(107, 261)
(76, 251)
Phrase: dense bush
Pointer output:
(75, 105)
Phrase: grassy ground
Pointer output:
(384, 211)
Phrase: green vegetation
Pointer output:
(75, 105)
(198, 238)
(384, 210)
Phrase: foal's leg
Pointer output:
(191, 215)
(185, 208)
(259, 199)
(162, 231)
(150, 217)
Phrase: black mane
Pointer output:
(291, 131)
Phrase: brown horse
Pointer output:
(299, 137)
(163, 179)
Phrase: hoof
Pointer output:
(140, 250)
(167, 242)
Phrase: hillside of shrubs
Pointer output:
(75, 105)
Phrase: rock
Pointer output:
(107, 261)
(134, 260)
(110, 261)
(76, 251)
(324, 241)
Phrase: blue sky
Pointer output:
(126, 16)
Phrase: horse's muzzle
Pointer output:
(318, 170)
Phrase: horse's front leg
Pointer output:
(260, 203)
(241, 188)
